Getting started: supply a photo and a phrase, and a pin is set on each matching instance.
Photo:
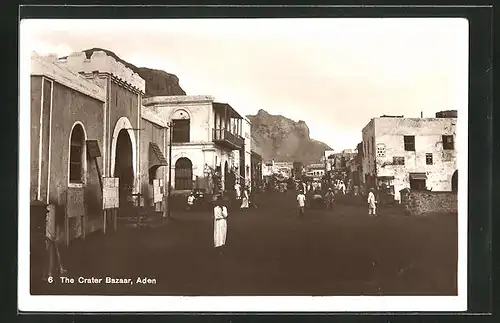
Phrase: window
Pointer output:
(398, 160)
(380, 150)
(428, 159)
(448, 143)
(181, 130)
(409, 143)
(76, 155)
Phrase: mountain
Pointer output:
(158, 82)
(282, 139)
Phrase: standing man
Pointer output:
(237, 189)
(245, 199)
(52, 239)
(220, 224)
(372, 204)
(301, 201)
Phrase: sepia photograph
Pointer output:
(206, 165)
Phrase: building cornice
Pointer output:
(102, 63)
(51, 68)
(177, 99)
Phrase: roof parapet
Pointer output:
(101, 62)
(51, 67)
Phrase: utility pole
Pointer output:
(170, 131)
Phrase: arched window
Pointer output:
(183, 174)
(76, 157)
(181, 126)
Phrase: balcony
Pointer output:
(226, 139)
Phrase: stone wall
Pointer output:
(423, 202)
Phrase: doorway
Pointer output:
(124, 168)
(454, 182)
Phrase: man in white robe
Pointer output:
(245, 199)
(372, 204)
(237, 188)
(220, 224)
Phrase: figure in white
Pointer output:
(237, 188)
(220, 224)
(245, 199)
(372, 204)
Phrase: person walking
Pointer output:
(245, 198)
(51, 243)
(372, 203)
(329, 197)
(220, 224)
(301, 202)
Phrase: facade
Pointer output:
(329, 160)
(414, 153)
(268, 168)
(256, 170)
(89, 122)
(315, 170)
(87, 112)
(205, 137)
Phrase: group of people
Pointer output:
(329, 200)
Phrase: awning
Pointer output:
(418, 176)
(156, 158)
(224, 107)
(386, 177)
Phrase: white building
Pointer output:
(205, 135)
(415, 153)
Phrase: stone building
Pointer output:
(414, 153)
(205, 137)
(87, 124)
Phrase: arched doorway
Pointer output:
(454, 182)
(124, 166)
(183, 174)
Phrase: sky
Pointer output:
(333, 73)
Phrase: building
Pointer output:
(298, 170)
(315, 170)
(90, 126)
(208, 149)
(256, 170)
(414, 153)
(86, 118)
(329, 160)
(283, 168)
(267, 168)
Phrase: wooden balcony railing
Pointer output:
(225, 138)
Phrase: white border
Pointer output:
(26, 302)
